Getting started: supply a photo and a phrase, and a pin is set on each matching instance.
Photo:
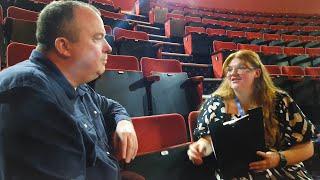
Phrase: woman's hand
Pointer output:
(270, 160)
(199, 149)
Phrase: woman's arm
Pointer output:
(293, 155)
(299, 153)
(200, 149)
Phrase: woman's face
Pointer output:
(241, 75)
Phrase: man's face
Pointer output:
(89, 52)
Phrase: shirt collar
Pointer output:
(39, 58)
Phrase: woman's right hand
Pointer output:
(200, 149)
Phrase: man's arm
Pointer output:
(39, 140)
(125, 140)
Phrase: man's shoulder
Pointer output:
(24, 74)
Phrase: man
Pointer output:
(53, 125)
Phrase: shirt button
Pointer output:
(95, 112)
(85, 125)
(108, 153)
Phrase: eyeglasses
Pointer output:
(240, 69)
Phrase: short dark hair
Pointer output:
(56, 20)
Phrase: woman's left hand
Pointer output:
(270, 160)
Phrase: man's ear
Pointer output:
(62, 46)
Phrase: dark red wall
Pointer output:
(285, 6)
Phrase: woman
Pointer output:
(288, 132)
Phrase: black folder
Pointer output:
(236, 141)
(171, 164)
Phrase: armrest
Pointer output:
(196, 79)
(152, 78)
(158, 45)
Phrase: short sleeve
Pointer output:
(211, 111)
(299, 128)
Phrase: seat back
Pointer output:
(295, 71)
(307, 38)
(211, 32)
(287, 38)
(122, 63)
(159, 131)
(18, 30)
(274, 70)
(128, 34)
(108, 29)
(271, 50)
(19, 13)
(125, 87)
(313, 52)
(235, 34)
(192, 122)
(190, 29)
(254, 35)
(17, 52)
(30, 5)
(149, 65)
(219, 46)
(313, 71)
(271, 37)
(293, 51)
(251, 47)
(113, 15)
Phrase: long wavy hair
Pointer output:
(264, 92)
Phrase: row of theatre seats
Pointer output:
(159, 86)
(163, 137)
(155, 90)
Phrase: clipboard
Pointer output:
(235, 142)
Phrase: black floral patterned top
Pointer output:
(293, 125)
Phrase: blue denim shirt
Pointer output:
(49, 130)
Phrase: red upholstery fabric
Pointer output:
(123, 63)
(254, 35)
(245, 25)
(189, 29)
(271, 37)
(313, 52)
(149, 65)
(108, 29)
(278, 27)
(295, 73)
(314, 72)
(209, 21)
(293, 51)
(192, 122)
(123, 33)
(294, 28)
(236, 33)
(274, 70)
(219, 45)
(311, 28)
(193, 19)
(159, 131)
(261, 26)
(19, 13)
(212, 32)
(17, 52)
(112, 14)
(175, 16)
(307, 38)
(287, 38)
(271, 50)
(251, 47)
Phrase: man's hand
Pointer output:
(270, 160)
(126, 142)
